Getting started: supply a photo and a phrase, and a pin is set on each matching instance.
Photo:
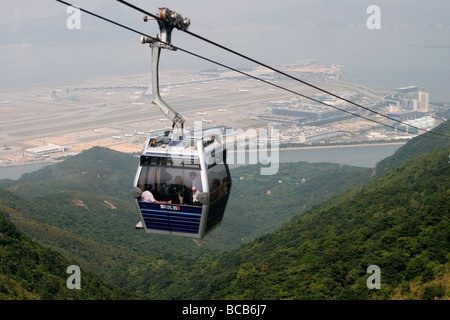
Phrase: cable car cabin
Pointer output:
(182, 186)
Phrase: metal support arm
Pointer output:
(163, 41)
(175, 117)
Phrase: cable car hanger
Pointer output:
(167, 21)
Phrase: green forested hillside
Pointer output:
(261, 204)
(90, 195)
(419, 145)
(96, 171)
(64, 207)
(29, 271)
(302, 234)
(399, 222)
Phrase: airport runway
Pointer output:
(117, 111)
(34, 115)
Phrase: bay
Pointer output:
(367, 155)
(15, 172)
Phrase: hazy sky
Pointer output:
(411, 47)
(432, 10)
(18, 10)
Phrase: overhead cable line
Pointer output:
(231, 68)
(275, 70)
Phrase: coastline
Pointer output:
(345, 145)
(43, 162)
(327, 146)
(49, 161)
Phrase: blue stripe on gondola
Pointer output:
(173, 213)
(168, 220)
(171, 220)
(172, 217)
(171, 227)
(168, 225)
(193, 224)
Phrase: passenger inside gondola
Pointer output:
(180, 195)
(172, 180)
(147, 195)
(215, 191)
(225, 185)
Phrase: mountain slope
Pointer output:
(89, 196)
(66, 207)
(32, 272)
(98, 171)
(419, 145)
(78, 194)
(261, 204)
(399, 222)
(30, 217)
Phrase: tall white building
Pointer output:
(424, 101)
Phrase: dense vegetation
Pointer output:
(399, 222)
(33, 272)
(419, 145)
(65, 207)
(89, 195)
(261, 204)
(301, 234)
